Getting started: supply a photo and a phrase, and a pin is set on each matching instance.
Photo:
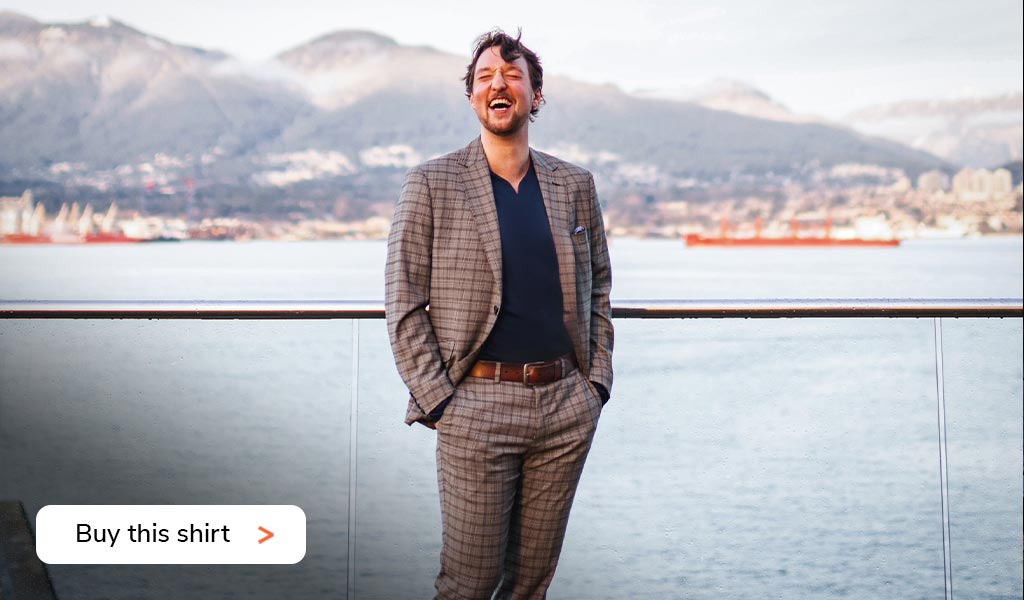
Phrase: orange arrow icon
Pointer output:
(269, 535)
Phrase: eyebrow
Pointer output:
(510, 67)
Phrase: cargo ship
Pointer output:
(795, 239)
(100, 238)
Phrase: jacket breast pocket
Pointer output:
(581, 252)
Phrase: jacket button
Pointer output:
(495, 309)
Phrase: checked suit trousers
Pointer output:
(509, 458)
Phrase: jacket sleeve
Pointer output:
(602, 335)
(407, 295)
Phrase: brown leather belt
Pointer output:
(535, 373)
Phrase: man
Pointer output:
(497, 289)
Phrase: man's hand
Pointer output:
(436, 414)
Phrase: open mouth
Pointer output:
(500, 104)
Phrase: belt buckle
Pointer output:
(526, 371)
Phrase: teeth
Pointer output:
(500, 103)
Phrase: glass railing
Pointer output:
(751, 449)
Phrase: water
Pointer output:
(737, 459)
(972, 268)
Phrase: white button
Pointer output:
(170, 534)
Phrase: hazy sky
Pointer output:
(824, 57)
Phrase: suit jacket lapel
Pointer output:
(476, 184)
(561, 218)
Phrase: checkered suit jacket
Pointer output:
(443, 276)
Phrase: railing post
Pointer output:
(353, 460)
(940, 397)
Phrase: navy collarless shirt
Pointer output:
(529, 326)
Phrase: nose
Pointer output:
(498, 81)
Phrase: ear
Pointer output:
(538, 97)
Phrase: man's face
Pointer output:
(502, 94)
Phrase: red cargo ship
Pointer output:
(694, 239)
(99, 238)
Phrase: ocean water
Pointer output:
(791, 458)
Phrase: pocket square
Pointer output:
(579, 229)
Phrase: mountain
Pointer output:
(106, 94)
(374, 93)
(105, 105)
(735, 97)
(370, 92)
(974, 132)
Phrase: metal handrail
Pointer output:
(622, 309)
(355, 310)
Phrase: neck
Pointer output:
(508, 157)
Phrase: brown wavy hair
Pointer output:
(511, 49)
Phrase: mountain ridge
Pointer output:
(112, 106)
